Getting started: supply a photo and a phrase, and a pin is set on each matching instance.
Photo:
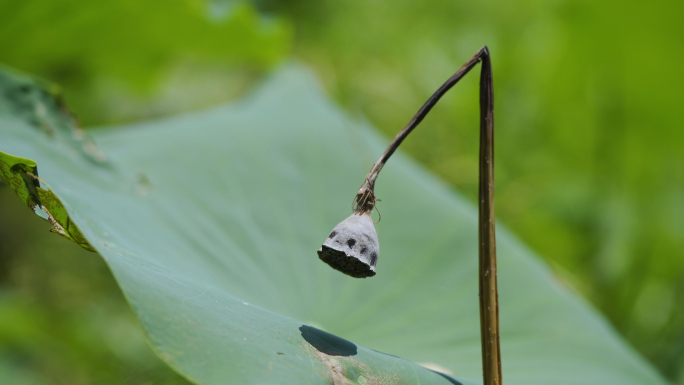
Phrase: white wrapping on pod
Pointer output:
(352, 247)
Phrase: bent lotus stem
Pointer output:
(352, 246)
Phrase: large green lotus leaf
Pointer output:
(210, 223)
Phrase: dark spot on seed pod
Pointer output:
(332, 234)
(351, 242)
(373, 258)
(363, 250)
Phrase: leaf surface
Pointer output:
(210, 222)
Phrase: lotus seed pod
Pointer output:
(352, 247)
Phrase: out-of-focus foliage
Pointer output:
(109, 54)
(588, 124)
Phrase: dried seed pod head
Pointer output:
(352, 247)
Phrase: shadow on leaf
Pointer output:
(327, 343)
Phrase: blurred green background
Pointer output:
(590, 171)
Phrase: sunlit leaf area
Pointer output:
(216, 143)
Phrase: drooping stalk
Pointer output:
(489, 303)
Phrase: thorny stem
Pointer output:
(489, 302)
